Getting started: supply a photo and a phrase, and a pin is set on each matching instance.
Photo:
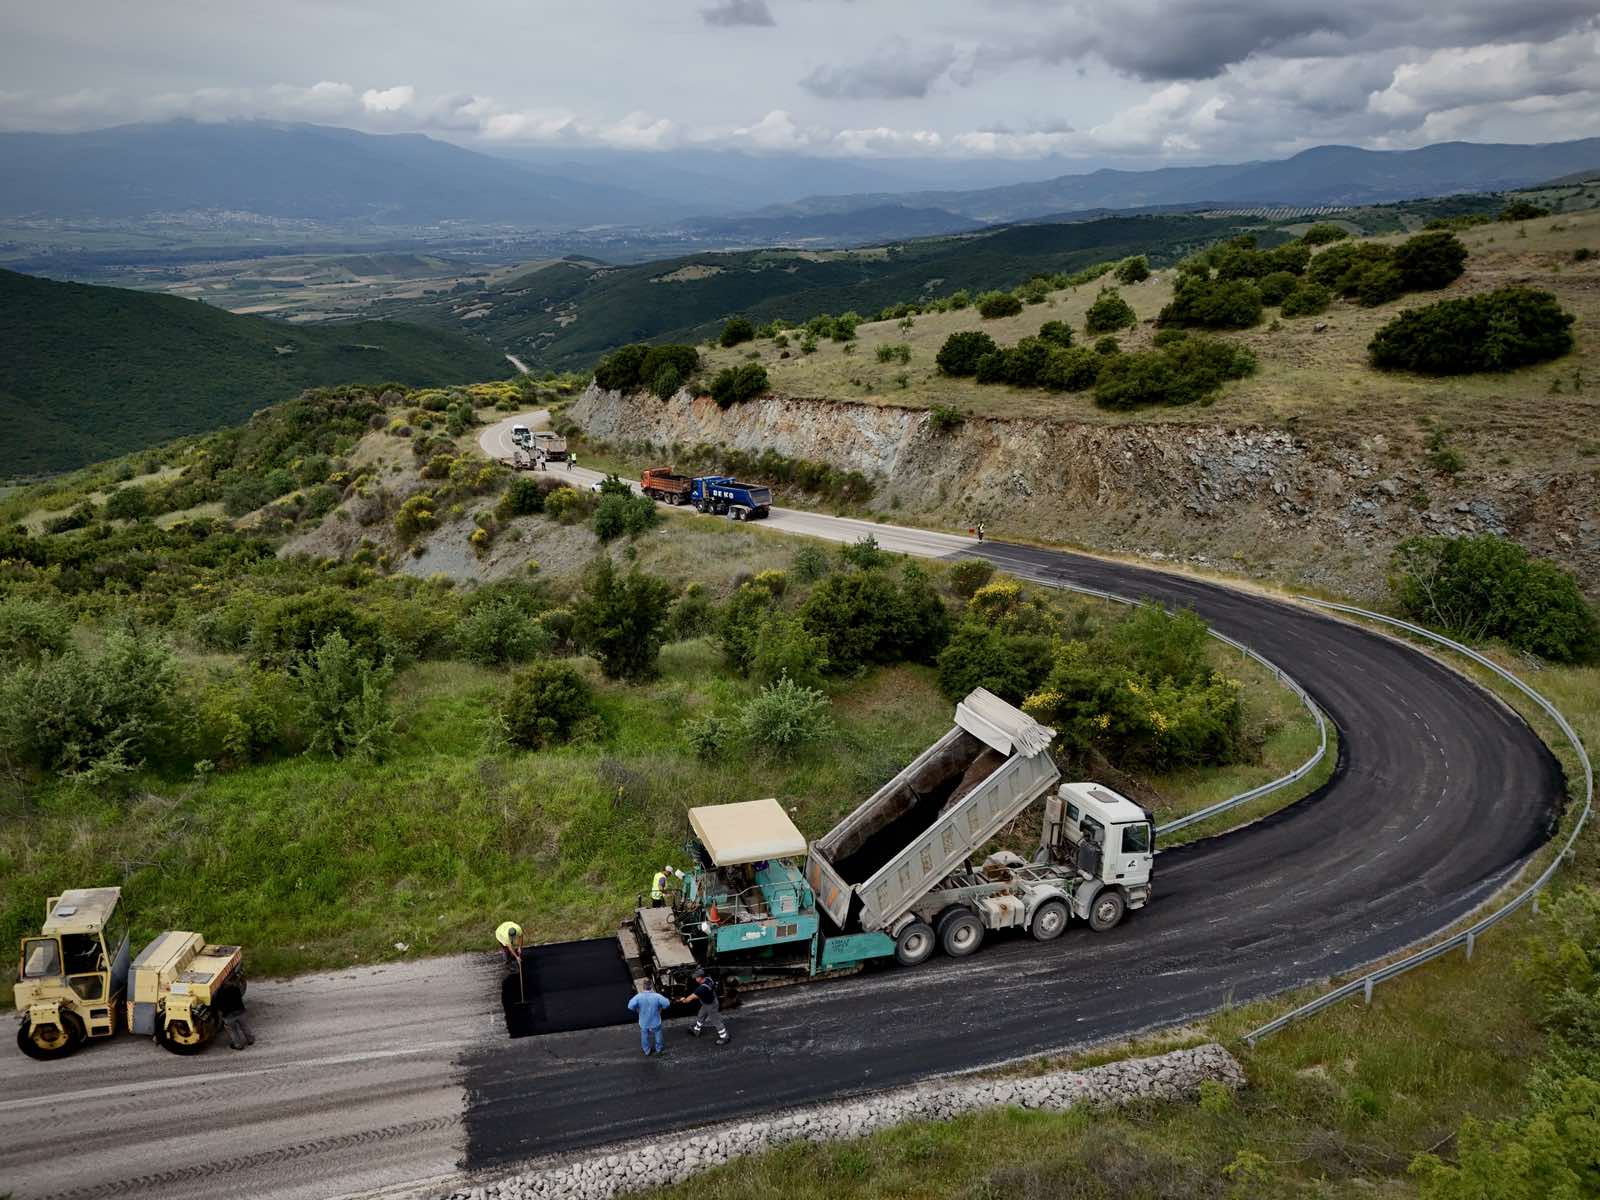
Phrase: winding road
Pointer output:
(392, 1076)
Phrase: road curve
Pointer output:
(378, 1076)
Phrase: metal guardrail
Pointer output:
(1468, 937)
(1279, 674)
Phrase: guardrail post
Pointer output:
(1367, 991)
(1471, 939)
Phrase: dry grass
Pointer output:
(1308, 381)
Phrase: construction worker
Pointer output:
(229, 1003)
(660, 883)
(509, 935)
(650, 1004)
(705, 992)
(980, 531)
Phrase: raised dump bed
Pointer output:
(922, 824)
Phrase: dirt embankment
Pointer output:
(1263, 501)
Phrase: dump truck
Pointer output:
(726, 496)
(897, 877)
(660, 483)
(552, 446)
(75, 982)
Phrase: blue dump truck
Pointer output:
(898, 878)
(725, 495)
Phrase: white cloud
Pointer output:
(389, 100)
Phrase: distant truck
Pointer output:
(659, 483)
(726, 496)
(552, 446)
(897, 877)
(74, 980)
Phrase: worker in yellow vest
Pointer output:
(660, 883)
(509, 935)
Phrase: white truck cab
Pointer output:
(522, 436)
(1108, 836)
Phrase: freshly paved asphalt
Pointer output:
(383, 1077)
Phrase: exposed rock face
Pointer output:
(633, 1168)
(1261, 501)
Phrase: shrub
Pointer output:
(294, 626)
(864, 617)
(734, 384)
(1213, 304)
(1582, 254)
(991, 368)
(959, 299)
(1168, 337)
(245, 716)
(1109, 313)
(522, 499)
(500, 631)
(127, 504)
(1494, 331)
(1342, 267)
(344, 701)
(970, 574)
(1379, 284)
(942, 418)
(993, 305)
(91, 718)
(1522, 210)
(544, 705)
(811, 563)
(1324, 232)
(1306, 300)
(784, 648)
(566, 504)
(618, 515)
(709, 737)
(665, 382)
(414, 516)
(863, 554)
(1025, 363)
(1275, 288)
(961, 351)
(692, 616)
(1134, 380)
(785, 717)
(1107, 345)
(671, 358)
(1489, 587)
(1133, 270)
(894, 352)
(1429, 261)
(1035, 290)
(1057, 333)
(736, 331)
(1012, 666)
(1071, 370)
(31, 629)
(623, 622)
(1180, 373)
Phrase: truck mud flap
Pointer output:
(567, 986)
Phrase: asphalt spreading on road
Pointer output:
(567, 986)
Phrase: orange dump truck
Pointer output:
(659, 483)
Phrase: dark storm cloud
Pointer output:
(738, 12)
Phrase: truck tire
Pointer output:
(1049, 921)
(1105, 912)
(46, 1042)
(961, 935)
(914, 945)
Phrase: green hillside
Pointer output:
(92, 372)
(566, 314)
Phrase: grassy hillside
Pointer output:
(1309, 378)
(567, 314)
(91, 372)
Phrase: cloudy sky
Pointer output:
(1135, 81)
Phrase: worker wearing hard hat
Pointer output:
(509, 935)
(660, 883)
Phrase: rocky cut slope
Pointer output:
(1267, 502)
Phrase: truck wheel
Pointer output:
(188, 1037)
(914, 945)
(962, 934)
(45, 1042)
(1107, 910)
(1049, 919)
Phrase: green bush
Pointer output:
(626, 515)
(544, 705)
(1168, 337)
(1035, 290)
(1133, 270)
(734, 384)
(1323, 233)
(1179, 373)
(1493, 331)
(1429, 261)
(128, 504)
(970, 574)
(961, 351)
(294, 626)
(245, 716)
(416, 514)
(993, 305)
(1306, 300)
(522, 499)
(1057, 333)
(31, 629)
(979, 654)
(1071, 370)
(991, 368)
(1275, 287)
(1522, 210)
(709, 737)
(863, 554)
(1026, 362)
(94, 718)
(942, 418)
(1109, 313)
(567, 504)
(1212, 304)
(1341, 268)
(785, 717)
(737, 331)
(344, 700)
(498, 632)
(811, 563)
(623, 621)
(894, 352)
(1489, 587)
(864, 618)
(660, 363)
(784, 648)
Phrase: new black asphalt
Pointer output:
(1439, 795)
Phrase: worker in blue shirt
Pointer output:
(650, 1004)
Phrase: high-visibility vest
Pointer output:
(658, 885)
(508, 930)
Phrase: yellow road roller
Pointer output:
(74, 980)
